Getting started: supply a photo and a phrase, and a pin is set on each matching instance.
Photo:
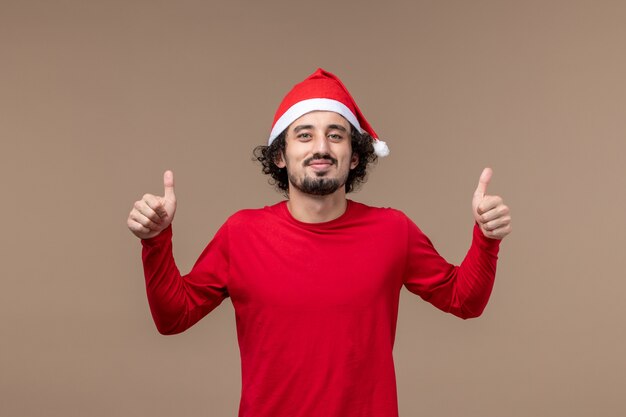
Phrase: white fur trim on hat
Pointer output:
(306, 106)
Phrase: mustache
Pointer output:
(317, 157)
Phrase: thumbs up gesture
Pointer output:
(491, 214)
(152, 214)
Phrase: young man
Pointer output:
(315, 280)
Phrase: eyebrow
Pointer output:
(338, 127)
(302, 127)
(333, 126)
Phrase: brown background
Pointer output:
(97, 99)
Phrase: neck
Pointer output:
(309, 208)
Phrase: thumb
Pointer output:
(168, 185)
(483, 182)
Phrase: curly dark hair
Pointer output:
(362, 145)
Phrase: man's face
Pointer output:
(318, 153)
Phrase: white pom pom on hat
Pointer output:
(322, 91)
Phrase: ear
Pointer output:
(354, 161)
(280, 160)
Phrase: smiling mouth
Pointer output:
(320, 166)
(320, 161)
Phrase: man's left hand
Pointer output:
(491, 214)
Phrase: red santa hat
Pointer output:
(322, 91)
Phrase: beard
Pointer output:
(318, 185)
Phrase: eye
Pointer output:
(335, 137)
(304, 136)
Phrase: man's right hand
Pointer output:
(152, 214)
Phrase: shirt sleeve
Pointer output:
(462, 290)
(177, 302)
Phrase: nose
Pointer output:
(321, 144)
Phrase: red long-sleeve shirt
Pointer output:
(316, 304)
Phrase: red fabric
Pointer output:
(323, 84)
(316, 304)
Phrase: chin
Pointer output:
(317, 185)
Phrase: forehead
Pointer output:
(320, 118)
